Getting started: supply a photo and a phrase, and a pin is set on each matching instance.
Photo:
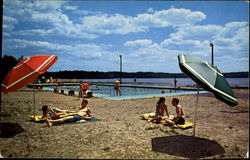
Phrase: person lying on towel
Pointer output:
(180, 118)
(54, 112)
(161, 109)
(83, 113)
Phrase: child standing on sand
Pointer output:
(161, 108)
(180, 118)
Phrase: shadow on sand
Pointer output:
(187, 146)
(8, 130)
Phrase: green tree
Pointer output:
(7, 63)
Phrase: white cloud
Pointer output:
(19, 44)
(151, 58)
(53, 18)
(71, 8)
(150, 10)
(9, 22)
(49, 15)
(47, 20)
(87, 51)
(77, 50)
(8, 19)
(170, 17)
(140, 43)
(120, 24)
(105, 24)
(231, 44)
(35, 5)
(87, 12)
(196, 39)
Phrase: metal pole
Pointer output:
(212, 46)
(1, 67)
(120, 69)
(34, 95)
(196, 107)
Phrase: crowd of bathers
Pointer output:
(55, 115)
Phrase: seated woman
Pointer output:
(161, 108)
(83, 113)
(54, 112)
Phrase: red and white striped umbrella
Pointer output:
(26, 71)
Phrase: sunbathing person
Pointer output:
(54, 112)
(180, 118)
(83, 113)
(161, 108)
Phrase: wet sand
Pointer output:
(222, 131)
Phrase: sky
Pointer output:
(90, 35)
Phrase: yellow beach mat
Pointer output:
(40, 119)
(185, 126)
(150, 116)
(36, 118)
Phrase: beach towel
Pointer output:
(150, 116)
(93, 119)
(185, 126)
(39, 119)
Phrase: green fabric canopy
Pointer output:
(208, 77)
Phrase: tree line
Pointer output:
(8, 62)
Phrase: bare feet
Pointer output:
(49, 124)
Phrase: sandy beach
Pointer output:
(222, 131)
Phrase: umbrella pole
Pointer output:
(0, 105)
(34, 97)
(196, 107)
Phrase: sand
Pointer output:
(222, 131)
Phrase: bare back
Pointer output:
(180, 111)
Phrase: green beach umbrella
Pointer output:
(208, 77)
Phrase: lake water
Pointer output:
(240, 82)
(134, 93)
(108, 92)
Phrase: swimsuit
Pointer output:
(77, 117)
(116, 87)
(181, 121)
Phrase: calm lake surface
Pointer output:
(240, 82)
(130, 93)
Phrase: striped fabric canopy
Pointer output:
(26, 71)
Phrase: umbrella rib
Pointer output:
(28, 58)
(44, 63)
(28, 74)
(214, 69)
(18, 80)
(184, 63)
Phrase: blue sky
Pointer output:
(90, 35)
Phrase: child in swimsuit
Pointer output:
(117, 87)
(180, 118)
(54, 112)
(161, 108)
(83, 113)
